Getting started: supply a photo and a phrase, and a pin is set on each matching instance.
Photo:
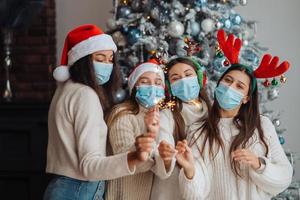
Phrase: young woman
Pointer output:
(186, 82)
(135, 117)
(237, 151)
(77, 130)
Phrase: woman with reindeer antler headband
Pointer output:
(236, 149)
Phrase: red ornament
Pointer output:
(266, 83)
(226, 63)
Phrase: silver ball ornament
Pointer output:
(175, 29)
(208, 25)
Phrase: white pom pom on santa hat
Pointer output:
(80, 42)
(61, 73)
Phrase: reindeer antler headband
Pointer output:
(268, 68)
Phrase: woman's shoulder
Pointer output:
(266, 123)
(267, 126)
(79, 90)
(121, 113)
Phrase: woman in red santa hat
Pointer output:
(137, 116)
(76, 152)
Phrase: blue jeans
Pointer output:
(65, 188)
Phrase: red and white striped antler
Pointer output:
(231, 46)
(269, 67)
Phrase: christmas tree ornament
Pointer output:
(243, 2)
(276, 122)
(208, 25)
(275, 82)
(200, 3)
(218, 25)
(123, 11)
(192, 47)
(266, 83)
(219, 66)
(175, 29)
(133, 35)
(283, 79)
(236, 19)
(120, 95)
(195, 28)
(281, 139)
(226, 23)
(250, 56)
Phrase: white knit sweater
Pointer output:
(77, 136)
(168, 189)
(215, 180)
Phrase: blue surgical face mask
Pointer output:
(102, 71)
(228, 97)
(186, 89)
(149, 95)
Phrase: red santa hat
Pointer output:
(150, 66)
(80, 42)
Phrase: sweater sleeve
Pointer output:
(277, 172)
(198, 187)
(122, 138)
(90, 135)
(166, 134)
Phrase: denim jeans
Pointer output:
(65, 188)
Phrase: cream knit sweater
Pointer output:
(122, 134)
(77, 136)
(214, 180)
(169, 189)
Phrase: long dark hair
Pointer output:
(247, 121)
(179, 132)
(82, 71)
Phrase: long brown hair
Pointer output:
(247, 121)
(82, 71)
(179, 132)
(129, 106)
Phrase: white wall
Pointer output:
(72, 13)
(278, 29)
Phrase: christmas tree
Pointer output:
(168, 28)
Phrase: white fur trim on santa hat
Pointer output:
(61, 73)
(89, 46)
(139, 70)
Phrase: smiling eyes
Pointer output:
(158, 82)
(176, 77)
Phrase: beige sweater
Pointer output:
(77, 136)
(122, 134)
